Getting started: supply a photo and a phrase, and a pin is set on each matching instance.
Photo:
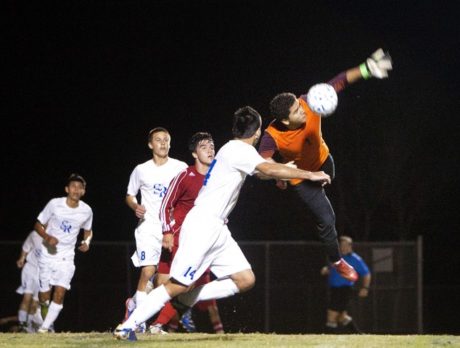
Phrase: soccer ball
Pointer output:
(322, 99)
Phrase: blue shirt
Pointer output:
(337, 281)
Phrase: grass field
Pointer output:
(68, 340)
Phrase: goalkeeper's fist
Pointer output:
(377, 65)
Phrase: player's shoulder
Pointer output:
(177, 163)
(85, 206)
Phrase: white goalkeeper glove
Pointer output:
(377, 65)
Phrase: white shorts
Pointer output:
(55, 272)
(206, 242)
(29, 280)
(148, 236)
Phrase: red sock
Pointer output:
(166, 314)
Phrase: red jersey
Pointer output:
(180, 198)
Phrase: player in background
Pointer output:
(205, 240)
(295, 134)
(59, 224)
(341, 290)
(29, 316)
(151, 179)
(178, 201)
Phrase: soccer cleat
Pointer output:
(124, 334)
(187, 321)
(43, 330)
(157, 329)
(345, 270)
(142, 328)
(129, 308)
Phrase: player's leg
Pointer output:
(214, 317)
(23, 312)
(148, 249)
(63, 272)
(228, 263)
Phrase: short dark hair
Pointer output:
(156, 130)
(280, 105)
(76, 177)
(197, 138)
(246, 122)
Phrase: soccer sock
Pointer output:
(167, 313)
(151, 305)
(53, 312)
(44, 308)
(22, 316)
(213, 290)
(218, 327)
(37, 317)
(140, 297)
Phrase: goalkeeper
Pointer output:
(295, 135)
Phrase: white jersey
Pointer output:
(33, 247)
(65, 223)
(225, 177)
(153, 182)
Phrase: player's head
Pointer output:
(246, 123)
(286, 107)
(201, 145)
(346, 245)
(75, 186)
(159, 141)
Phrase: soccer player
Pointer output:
(152, 179)
(205, 240)
(178, 201)
(29, 316)
(341, 289)
(295, 134)
(59, 224)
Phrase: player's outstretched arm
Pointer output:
(376, 66)
(281, 171)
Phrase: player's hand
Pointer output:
(378, 64)
(20, 262)
(168, 241)
(140, 211)
(51, 241)
(363, 292)
(84, 247)
(321, 177)
(281, 184)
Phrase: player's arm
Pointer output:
(132, 203)
(175, 192)
(87, 236)
(281, 171)
(22, 259)
(41, 230)
(376, 66)
(366, 283)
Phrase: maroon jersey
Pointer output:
(180, 199)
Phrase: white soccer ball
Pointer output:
(322, 99)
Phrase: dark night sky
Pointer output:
(83, 83)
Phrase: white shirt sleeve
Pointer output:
(248, 159)
(134, 183)
(46, 213)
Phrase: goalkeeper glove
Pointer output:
(377, 65)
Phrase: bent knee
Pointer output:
(245, 280)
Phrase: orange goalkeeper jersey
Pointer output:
(305, 145)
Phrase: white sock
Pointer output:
(22, 316)
(210, 291)
(37, 317)
(53, 312)
(140, 297)
(154, 301)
